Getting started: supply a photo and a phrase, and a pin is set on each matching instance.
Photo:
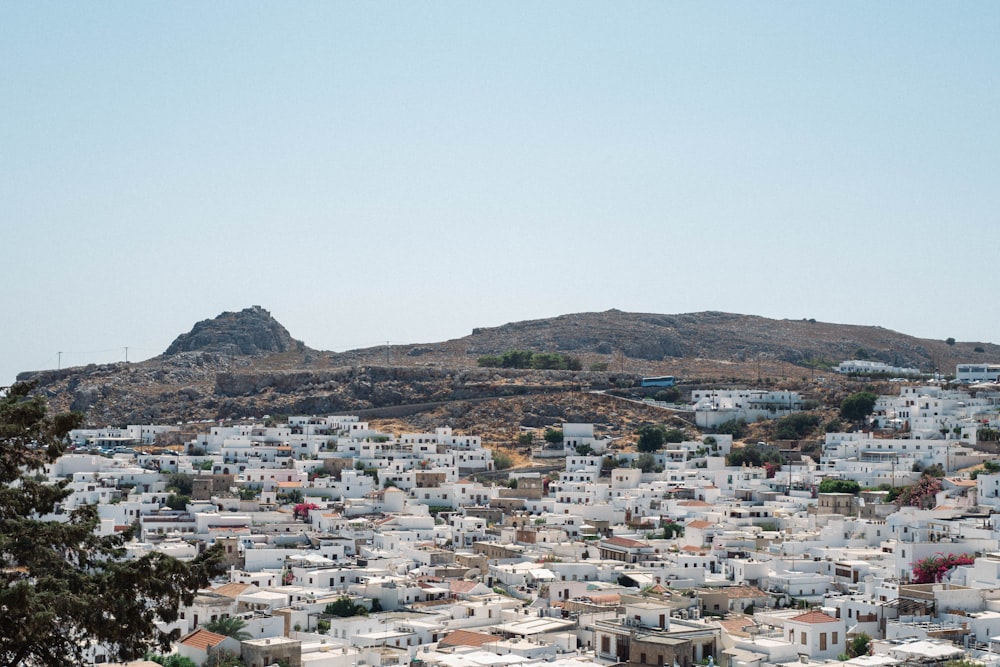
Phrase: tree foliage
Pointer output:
(671, 395)
(922, 494)
(171, 660)
(932, 570)
(795, 426)
(858, 645)
(502, 460)
(230, 626)
(839, 486)
(754, 455)
(181, 483)
(672, 529)
(344, 607)
(528, 359)
(651, 437)
(553, 436)
(646, 462)
(673, 435)
(734, 427)
(177, 502)
(225, 659)
(302, 510)
(61, 584)
(857, 406)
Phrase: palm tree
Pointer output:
(230, 626)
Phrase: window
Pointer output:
(822, 641)
(802, 638)
(834, 639)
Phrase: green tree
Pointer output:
(553, 436)
(834, 426)
(502, 460)
(645, 462)
(294, 496)
(225, 659)
(526, 438)
(172, 660)
(839, 486)
(230, 626)
(754, 455)
(181, 483)
(734, 427)
(934, 470)
(344, 607)
(671, 395)
(674, 435)
(857, 406)
(672, 529)
(651, 437)
(61, 584)
(516, 359)
(795, 426)
(177, 502)
(858, 645)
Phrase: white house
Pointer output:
(817, 635)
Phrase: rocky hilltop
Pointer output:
(245, 364)
(250, 332)
(712, 335)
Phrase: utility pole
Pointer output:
(59, 363)
(126, 354)
(386, 353)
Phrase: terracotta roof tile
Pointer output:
(734, 626)
(467, 638)
(735, 592)
(605, 598)
(231, 590)
(202, 639)
(461, 585)
(624, 542)
(814, 617)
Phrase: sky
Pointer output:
(405, 172)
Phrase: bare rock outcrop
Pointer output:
(250, 332)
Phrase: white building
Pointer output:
(865, 367)
(977, 372)
(817, 635)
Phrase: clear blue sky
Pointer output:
(408, 171)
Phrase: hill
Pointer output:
(246, 364)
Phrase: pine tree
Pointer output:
(63, 586)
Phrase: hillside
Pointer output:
(246, 364)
